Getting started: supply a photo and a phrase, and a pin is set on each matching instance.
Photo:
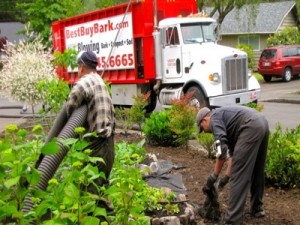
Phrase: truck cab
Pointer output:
(193, 61)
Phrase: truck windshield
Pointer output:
(198, 33)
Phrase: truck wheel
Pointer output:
(267, 78)
(287, 76)
(198, 100)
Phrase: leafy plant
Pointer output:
(122, 118)
(17, 170)
(174, 126)
(157, 131)
(66, 59)
(54, 93)
(40, 14)
(254, 105)
(249, 50)
(68, 199)
(289, 36)
(207, 141)
(138, 110)
(283, 159)
(258, 77)
(130, 195)
(182, 119)
(172, 209)
(107, 84)
(133, 115)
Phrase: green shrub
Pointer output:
(256, 106)
(182, 119)
(174, 126)
(65, 59)
(283, 158)
(122, 119)
(25, 65)
(54, 94)
(126, 117)
(207, 141)
(157, 131)
(289, 36)
(249, 50)
(138, 110)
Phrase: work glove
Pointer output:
(211, 180)
(223, 181)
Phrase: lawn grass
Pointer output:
(258, 77)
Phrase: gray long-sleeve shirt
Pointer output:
(226, 123)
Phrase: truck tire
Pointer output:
(199, 100)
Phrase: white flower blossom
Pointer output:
(25, 65)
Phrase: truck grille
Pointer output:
(236, 75)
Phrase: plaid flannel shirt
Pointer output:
(91, 90)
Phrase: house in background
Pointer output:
(253, 26)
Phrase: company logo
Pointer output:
(96, 28)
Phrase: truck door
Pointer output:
(172, 62)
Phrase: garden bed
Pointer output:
(281, 206)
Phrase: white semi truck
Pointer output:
(165, 47)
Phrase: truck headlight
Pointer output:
(214, 77)
(249, 73)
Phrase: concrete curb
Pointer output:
(283, 100)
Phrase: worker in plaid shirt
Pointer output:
(91, 90)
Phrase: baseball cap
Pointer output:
(88, 59)
(201, 114)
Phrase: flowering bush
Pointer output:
(25, 65)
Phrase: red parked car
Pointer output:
(280, 61)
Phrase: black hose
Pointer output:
(58, 124)
(50, 163)
(57, 127)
